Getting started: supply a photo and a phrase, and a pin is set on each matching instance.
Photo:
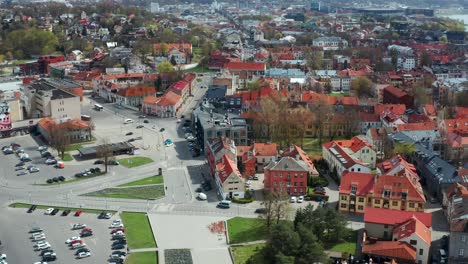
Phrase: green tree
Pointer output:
(163, 49)
(165, 67)
(361, 86)
(420, 95)
(314, 60)
(195, 40)
(142, 48)
(394, 57)
(425, 59)
(27, 42)
(461, 99)
(405, 149)
(325, 223)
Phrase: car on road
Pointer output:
(78, 226)
(99, 162)
(35, 229)
(66, 212)
(21, 173)
(145, 121)
(292, 199)
(129, 133)
(49, 211)
(118, 246)
(168, 142)
(261, 211)
(202, 196)
(225, 204)
(162, 129)
(32, 208)
(84, 254)
(300, 199)
(140, 126)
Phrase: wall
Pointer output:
(378, 230)
(65, 108)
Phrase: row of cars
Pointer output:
(40, 244)
(119, 242)
(76, 242)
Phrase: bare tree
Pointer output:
(104, 151)
(59, 139)
(321, 112)
(276, 206)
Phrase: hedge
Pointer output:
(314, 196)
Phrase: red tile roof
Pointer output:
(395, 91)
(394, 217)
(363, 181)
(245, 66)
(461, 112)
(265, 149)
(391, 249)
(136, 91)
(48, 124)
(295, 150)
(169, 99)
(430, 110)
(456, 125)
(122, 76)
(417, 126)
(345, 100)
(171, 46)
(349, 72)
(179, 86)
(226, 167)
(150, 100)
(368, 117)
(410, 227)
(189, 77)
(398, 109)
(397, 185)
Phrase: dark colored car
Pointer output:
(45, 251)
(118, 246)
(140, 126)
(260, 211)
(92, 170)
(61, 178)
(162, 129)
(82, 250)
(86, 233)
(120, 253)
(120, 241)
(49, 181)
(99, 162)
(66, 212)
(19, 164)
(49, 257)
(97, 170)
(102, 215)
(55, 211)
(32, 208)
(131, 140)
(129, 134)
(55, 179)
(198, 190)
(145, 121)
(319, 190)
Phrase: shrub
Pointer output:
(314, 196)
(318, 181)
(178, 256)
(248, 198)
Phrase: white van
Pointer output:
(128, 121)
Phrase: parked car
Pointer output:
(86, 232)
(129, 134)
(70, 240)
(319, 190)
(55, 179)
(42, 148)
(61, 178)
(118, 246)
(162, 129)
(55, 211)
(261, 211)
(78, 226)
(51, 161)
(66, 212)
(99, 162)
(21, 164)
(202, 196)
(49, 211)
(39, 237)
(116, 225)
(49, 256)
(32, 208)
(84, 254)
(82, 250)
(78, 245)
(292, 199)
(49, 181)
(34, 169)
(78, 213)
(21, 173)
(145, 121)
(300, 199)
(140, 126)
(117, 230)
(35, 229)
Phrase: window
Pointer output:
(302, 184)
(354, 188)
(463, 239)
(360, 207)
(343, 205)
(344, 198)
(387, 193)
(359, 169)
(413, 242)
(394, 203)
(361, 199)
(421, 251)
(385, 226)
(461, 252)
(377, 201)
(411, 205)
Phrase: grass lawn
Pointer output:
(156, 179)
(142, 258)
(198, 69)
(243, 253)
(139, 232)
(339, 94)
(93, 211)
(67, 157)
(135, 161)
(144, 192)
(77, 146)
(246, 229)
(347, 246)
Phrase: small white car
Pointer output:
(42, 148)
(78, 245)
(2, 256)
(108, 215)
(202, 196)
(78, 226)
(84, 254)
(39, 238)
(248, 183)
(43, 246)
(49, 211)
(292, 199)
(300, 199)
(116, 225)
(68, 241)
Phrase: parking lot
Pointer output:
(18, 246)
(30, 145)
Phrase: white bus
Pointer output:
(98, 107)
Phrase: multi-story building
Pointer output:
(288, 175)
(164, 106)
(210, 122)
(75, 129)
(330, 43)
(456, 202)
(221, 156)
(393, 95)
(360, 190)
(134, 95)
(45, 99)
(354, 155)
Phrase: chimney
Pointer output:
(376, 178)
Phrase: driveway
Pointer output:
(192, 232)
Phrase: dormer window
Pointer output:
(404, 195)
(387, 193)
(353, 188)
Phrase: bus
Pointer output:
(98, 107)
(85, 118)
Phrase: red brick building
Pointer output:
(288, 175)
(393, 95)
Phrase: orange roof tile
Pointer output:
(391, 249)
(226, 167)
(394, 217)
(168, 99)
(245, 66)
(398, 109)
(265, 149)
(135, 91)
(150, 100)
(417, 126)
(430, 110)
(410, 227)
(364, 183)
